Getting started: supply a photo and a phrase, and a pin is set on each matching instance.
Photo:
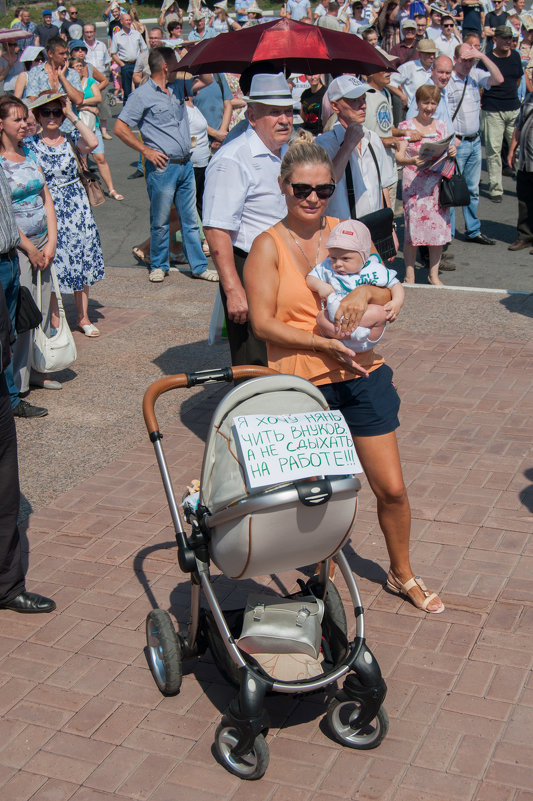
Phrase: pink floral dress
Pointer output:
(426, 222)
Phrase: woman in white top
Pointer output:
(221, 22)
(200, 151)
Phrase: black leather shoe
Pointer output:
(481, 239)
(30, 602)
(495, 198)
(25, 409)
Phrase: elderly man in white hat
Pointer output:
(363, 170)
(242, 199)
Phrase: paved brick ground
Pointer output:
(81, 718)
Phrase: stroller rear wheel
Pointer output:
(249, 766)
(164, 652)
(342, 716)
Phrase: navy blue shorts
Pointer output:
(369, 405)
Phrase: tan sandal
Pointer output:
(395, 586)
(141, 257)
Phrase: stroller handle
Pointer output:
(191, 380)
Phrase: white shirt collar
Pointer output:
(256, 144)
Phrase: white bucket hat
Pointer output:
(270, 90)
(253, 8)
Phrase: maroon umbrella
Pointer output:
(294, 46)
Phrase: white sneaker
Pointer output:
(156, 276)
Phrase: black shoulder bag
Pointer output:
(454, 190)
(27, 314)
(380, 223)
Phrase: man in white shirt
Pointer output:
(321, 10)
(97, 53)
(413, 74)
(242, 199)
(298, 10)
(141, 71)
(440, 75)
(125, 47)
(449, 39)
(463, 92)
(330, 19)
(353, 147)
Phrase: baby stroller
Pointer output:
(252, 533)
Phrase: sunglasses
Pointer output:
(51, 112)
(302, 191)
(448, 25)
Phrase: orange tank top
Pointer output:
(298, 306)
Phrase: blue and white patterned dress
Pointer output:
(78, 261)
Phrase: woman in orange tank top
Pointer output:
(283, 313)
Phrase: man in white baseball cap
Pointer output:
(242, 199)
(362, 169)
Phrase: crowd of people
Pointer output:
(313, 161)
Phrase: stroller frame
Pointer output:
(239, 740)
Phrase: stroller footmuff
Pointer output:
(294, 644)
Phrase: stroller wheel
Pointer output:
(164, 652)
(342, 711)
(112, 101)
(249, 766)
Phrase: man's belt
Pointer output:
(184, 160)
(468, 138)
(9, 254)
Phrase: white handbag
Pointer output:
(89, 118)
(51, 354)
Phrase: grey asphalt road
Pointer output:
(124, 224)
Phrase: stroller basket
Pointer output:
(253, 531)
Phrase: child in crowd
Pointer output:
(349, 265)
(117, 83)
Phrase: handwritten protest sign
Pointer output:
(280, 448)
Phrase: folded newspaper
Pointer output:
(436, 154)
(435, 149)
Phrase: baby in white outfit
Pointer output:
(349, 265)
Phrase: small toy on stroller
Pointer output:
(253, 532)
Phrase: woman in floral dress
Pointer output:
(36, 220)
(78, 262)
(426, 221)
